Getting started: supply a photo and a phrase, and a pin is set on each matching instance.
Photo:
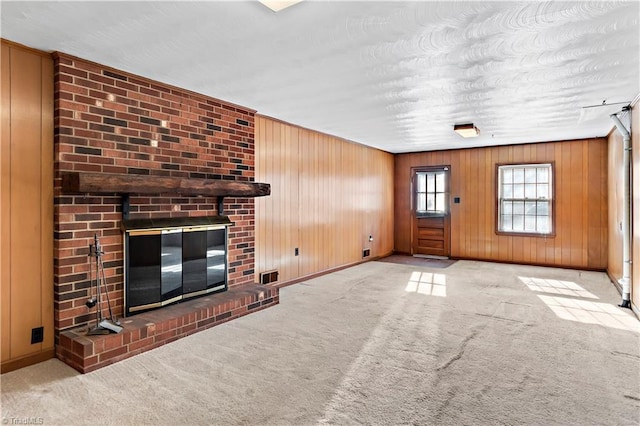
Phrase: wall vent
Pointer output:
(37, 335)
(268, 277)
(366, 252)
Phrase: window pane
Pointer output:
(518, 175)
(507, 191)
(544, 224)
(422, 202)
(530, 208)
(431, 184)
(518, 207)
(431, 202)
(440, 182)
(440, 202)
(422, 182)
(506, 223)
(507, 175)
(518, 222)
(529, 223)
(530, 175)
(530, 190)
(518, 191)
(543, 191)
(507, 207)
(543, 175)
(543, 208)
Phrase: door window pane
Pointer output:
(422, 183)
(440, 182)
(422, 202)
(431, 202)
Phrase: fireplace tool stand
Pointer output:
(103, 326)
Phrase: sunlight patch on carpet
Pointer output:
(588, 312)
(427, 283)
(567, 288)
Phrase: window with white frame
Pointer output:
(525, 195)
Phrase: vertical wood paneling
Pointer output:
(330, 195)
(277, 163)
(473, 222)
(27, 204)
(46, 206)
(5, 211)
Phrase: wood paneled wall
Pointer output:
(580, 169)
(328, 196)
(26, 209)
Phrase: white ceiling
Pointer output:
(394, 75)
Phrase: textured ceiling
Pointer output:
(394, 75)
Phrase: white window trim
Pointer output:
(550, 199)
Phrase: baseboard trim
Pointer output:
(328, 271)
(615, 282)
(26, 361)
(546, 265)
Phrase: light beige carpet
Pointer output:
(381, 344)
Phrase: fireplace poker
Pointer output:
(103, 326)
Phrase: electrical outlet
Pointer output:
(366, 252)
(37, 335)
(296, 251)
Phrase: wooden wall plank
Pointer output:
(5, 203)
(46, 197)
(26, 204)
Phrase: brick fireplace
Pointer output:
(110, 122)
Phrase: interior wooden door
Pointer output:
(431, 219)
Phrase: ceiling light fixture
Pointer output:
(466, 130)
(277, 5)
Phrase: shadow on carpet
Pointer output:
(418, 261)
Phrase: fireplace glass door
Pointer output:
(194, 261)
(216, 259)
(144, 269)
(171, 260)
(168, 265)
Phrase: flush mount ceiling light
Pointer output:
(277, 5)
(466, 130)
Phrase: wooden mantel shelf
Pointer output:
(82, 183)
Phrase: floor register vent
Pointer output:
(268, 277)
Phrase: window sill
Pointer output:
(526, 234)
(425, 215)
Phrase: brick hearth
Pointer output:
(152, 329)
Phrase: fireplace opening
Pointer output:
(170, 264)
